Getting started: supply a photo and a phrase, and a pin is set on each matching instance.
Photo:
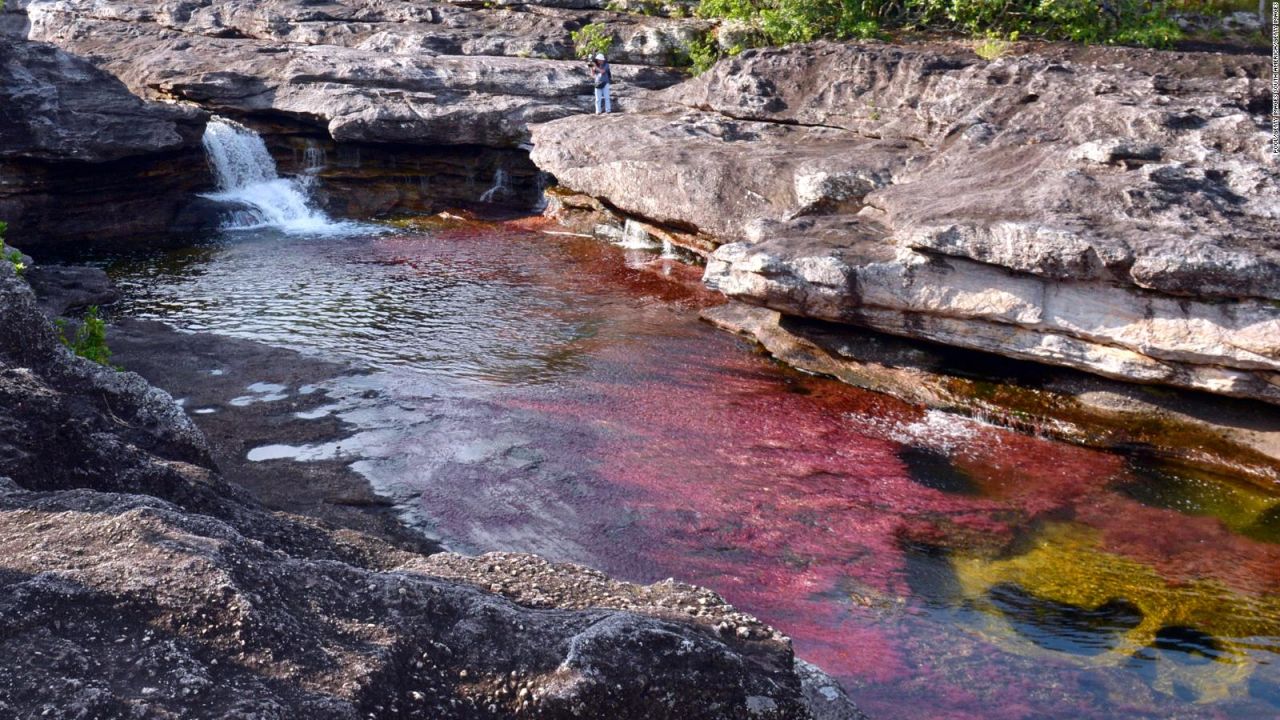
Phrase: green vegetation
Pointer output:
(779, 22)
(990, 48)
(1071, 565)
(11, 255)
(1213, 7)
(703, 54)
(591, 39)
(90, 340)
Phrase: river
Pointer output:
(544, 392)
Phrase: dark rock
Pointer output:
(81, 158)
(63, 288)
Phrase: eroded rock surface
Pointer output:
(81, 156)
(138, 582)
(1118, 214)
(428, 73)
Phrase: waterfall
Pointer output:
(544, 182)
(314, 158)
(669, 250)
(247, 177)
(501, 187)
(635, 237)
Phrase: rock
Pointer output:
(1242, 22)
(1115, 212)
(826, 699)
(363, 181)
(364, 70)
(63, 288)
(1225, 436)
(139, 582)
(80, 156)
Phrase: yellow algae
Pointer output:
(1243, 507)
(1192, 638)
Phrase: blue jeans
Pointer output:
(602, 93)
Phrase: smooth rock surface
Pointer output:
(367, 70)
(138, 582)
(1115, 211)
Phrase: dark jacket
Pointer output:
(602, 73)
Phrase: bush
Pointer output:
(11, 255)
(591, 39)
(703, 54)
(90, 340)
(990, 48)
(780, 22)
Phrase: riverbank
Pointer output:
(1192, 431)
(924, 193)
(171, 589)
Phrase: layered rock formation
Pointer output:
(1116, 212)
(365, 70)
(140, 583)
(82, 158)
(430, 100)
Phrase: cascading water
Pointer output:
(501, 187)
(635, 237)
(247, 178)
(544, 181)
(314, 158)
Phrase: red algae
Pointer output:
(773, 489)
(599, 421)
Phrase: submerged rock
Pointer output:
(139, 582)
(1117, 213)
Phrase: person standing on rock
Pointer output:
(603, 77)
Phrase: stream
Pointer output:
(532, 390)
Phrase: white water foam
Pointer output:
(501, 187)
(247, 177)
(937, 430)
(635, 237)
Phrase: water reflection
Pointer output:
(363, 299)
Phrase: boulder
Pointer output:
(1116, 212)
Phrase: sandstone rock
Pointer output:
(58, 107)
(1117, 214)
(381, 72)
(1228, 437)
(81, 156)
